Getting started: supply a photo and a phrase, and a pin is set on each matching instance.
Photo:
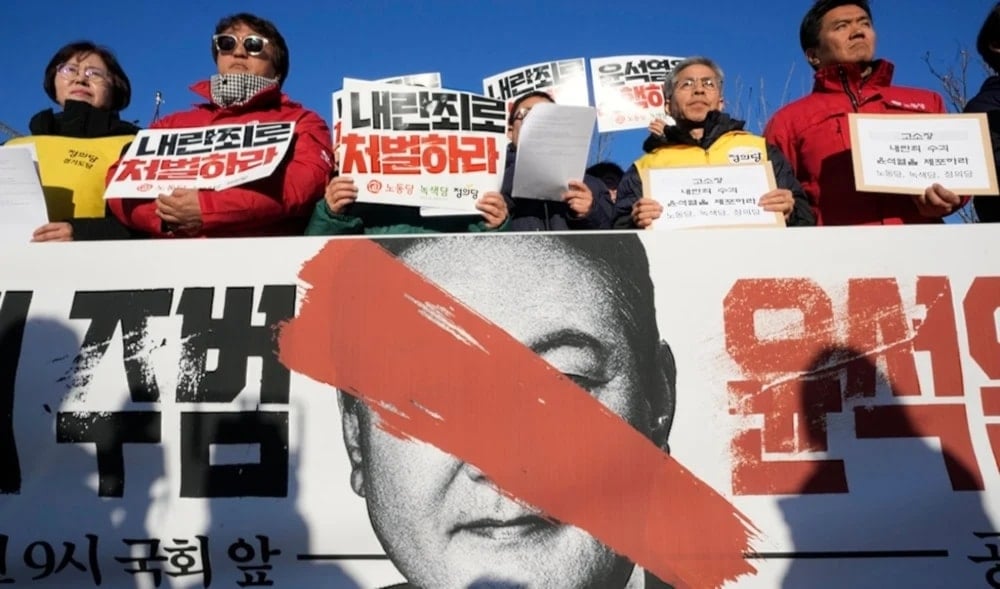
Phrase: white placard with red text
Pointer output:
(214, 158)
(628, 90)
(411, 146)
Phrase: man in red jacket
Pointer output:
(838, 39)
(252, 61)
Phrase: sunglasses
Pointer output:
(254, 44)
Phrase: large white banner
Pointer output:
(169, 414)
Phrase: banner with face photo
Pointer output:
(565, 80)
(628, 90)
(585, 409)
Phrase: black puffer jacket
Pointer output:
(988, 101)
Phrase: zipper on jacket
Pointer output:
(847, 88)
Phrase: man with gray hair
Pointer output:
(703, 134)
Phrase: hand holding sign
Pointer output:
(340, 193)
(778, 201)
(493, 208)
(645, 211)
(937, 201)
(181, 211)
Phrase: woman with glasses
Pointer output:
(252, 63)
(78, 143)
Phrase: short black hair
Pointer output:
(121, 88)
(608, 172)
(262, 26)
(989, 37)
(813, 20)
(522, 98)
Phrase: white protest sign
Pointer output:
(711, 196)
(906, 154)
(22, 202)
(427, 80)
(411, 146)
(628, 90)
(552, 148)
(564, 80)
(213, 157)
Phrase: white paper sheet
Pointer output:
(22, 202)
(552, 149)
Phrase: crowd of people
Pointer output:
(806, 142)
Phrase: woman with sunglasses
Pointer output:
(77, 144)
(252, 63)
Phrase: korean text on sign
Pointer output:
(215, 157)
(628, 90)
(711, 196)
(906, 154)
(565, 80)
(418, 147)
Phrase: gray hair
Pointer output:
(668, 84)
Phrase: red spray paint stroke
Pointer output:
(533, 432)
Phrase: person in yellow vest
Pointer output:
(77, 145)
(703, 134)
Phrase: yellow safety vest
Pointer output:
(733, 148)
(72, 170)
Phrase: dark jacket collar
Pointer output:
(988, 98)
(717, 124)
(80, 119)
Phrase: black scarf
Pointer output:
(80, 119)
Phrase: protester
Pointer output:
(703, 134)
(610, 173)
(441, 521)
(988, 101)
(838, 39)
(252, 61)
(586, 203)
(76, 145)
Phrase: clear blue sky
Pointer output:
(165, 45)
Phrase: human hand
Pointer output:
(778, 201)
(493, 207)
(936, 201)
(579, 198)
(645, 211)
(657, 126)
(53, 232)
(340, 193)
(181, 211)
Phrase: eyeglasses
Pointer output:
(71, 71)
(521, 113)
(254, 44)
(688, 84)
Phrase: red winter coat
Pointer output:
(814, 135)
(278, 205)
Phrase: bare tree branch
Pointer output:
(8, 132)
(954, 79)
